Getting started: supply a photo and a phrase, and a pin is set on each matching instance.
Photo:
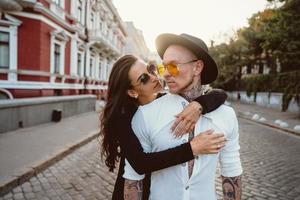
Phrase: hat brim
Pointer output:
(210, 70)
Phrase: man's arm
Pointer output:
(133, 189)
(231, 168)
(232, 188)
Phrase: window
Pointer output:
(91, 66)
(4, 49)
(79, 64)
(92, 20)
(57, 2)
(57, 57)
(80, 12)
(100, 69)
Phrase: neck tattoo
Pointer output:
(196, 91)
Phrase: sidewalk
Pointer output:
(285, 121)
(25, 152)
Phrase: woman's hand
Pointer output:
(187, 119)
(207, 143)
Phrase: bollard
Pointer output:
(56, 115)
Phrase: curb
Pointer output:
(270, 125)
(14, 182)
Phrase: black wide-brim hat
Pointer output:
(194, 44)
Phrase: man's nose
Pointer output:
(166, 74)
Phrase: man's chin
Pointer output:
(173, 90)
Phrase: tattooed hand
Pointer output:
(232, 188)
(133, 190)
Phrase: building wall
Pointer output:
(42, 22)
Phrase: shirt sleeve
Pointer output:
(229, 155)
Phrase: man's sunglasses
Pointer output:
(172, 68)
(145, 77)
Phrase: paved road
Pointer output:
(270, 160)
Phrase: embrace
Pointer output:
(170, 143)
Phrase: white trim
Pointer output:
(87, 62)
(45, 20)
(73, 11)
(39, 85)
(13, 47)
(73, 60)
(96, 87)
(62, 58)
(9, 95)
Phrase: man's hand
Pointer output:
(133, 190)
(207, 143)
(232, 188)
(187, 119)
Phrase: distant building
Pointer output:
(58, 47)
(154, 57)
(135, 43)
(260, 68)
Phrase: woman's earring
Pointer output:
(136, 96)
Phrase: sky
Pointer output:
(215, 20)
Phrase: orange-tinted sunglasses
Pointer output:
(172, 68)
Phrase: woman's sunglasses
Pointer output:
(145, 77)
(172, 68)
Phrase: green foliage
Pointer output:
(272, 37)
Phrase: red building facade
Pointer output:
(58, 47)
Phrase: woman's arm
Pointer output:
(187, 119)
(144, 163)
(211, 100)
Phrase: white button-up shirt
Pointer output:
(152, 125)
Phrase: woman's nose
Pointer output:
(153, 77)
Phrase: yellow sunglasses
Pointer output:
(172, 68)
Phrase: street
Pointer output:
(270, 160)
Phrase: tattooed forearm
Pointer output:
(232, 187)
(133, 190)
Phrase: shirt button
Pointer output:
(183, 164)
(187, 187)
(196, 157)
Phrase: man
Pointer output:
(186, 67)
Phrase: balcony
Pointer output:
(98, 37)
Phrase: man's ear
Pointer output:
(132, 93)
(199, 67)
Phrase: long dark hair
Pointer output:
(117, 100)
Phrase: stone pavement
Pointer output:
(285, 120)
(27, 151)
(270, 160)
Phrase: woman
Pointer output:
(119, 141)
